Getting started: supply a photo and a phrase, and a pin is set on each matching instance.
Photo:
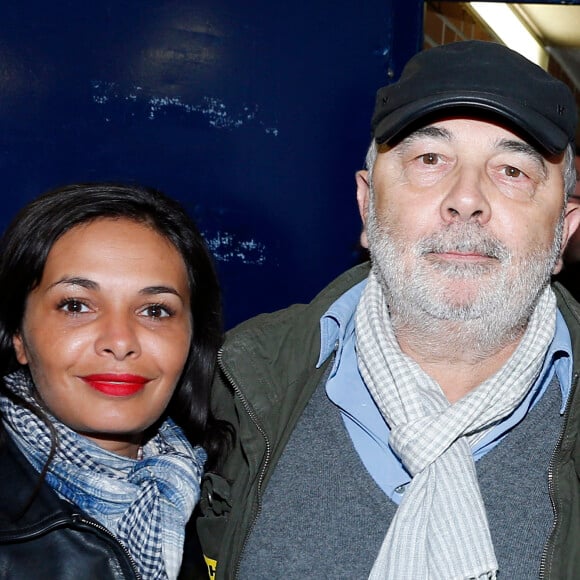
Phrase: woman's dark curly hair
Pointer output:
(24, 249)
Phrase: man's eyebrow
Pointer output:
(429, 131)
(514, 146)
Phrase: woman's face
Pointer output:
(107, 331)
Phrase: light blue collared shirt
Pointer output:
(363, 420)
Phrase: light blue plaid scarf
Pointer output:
(144, 503)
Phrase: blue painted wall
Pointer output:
(254, 114)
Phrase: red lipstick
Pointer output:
(116, 385)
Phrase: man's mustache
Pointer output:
(464, 239)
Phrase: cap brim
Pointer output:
(541, 132)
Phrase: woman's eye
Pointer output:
(73, 306)
(157, 311)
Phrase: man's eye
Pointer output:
(513, 171)
(430, 158)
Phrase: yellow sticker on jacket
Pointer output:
(211, 566)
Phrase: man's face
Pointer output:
(465, 224)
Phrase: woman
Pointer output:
(109, 328)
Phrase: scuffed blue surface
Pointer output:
(255, 116)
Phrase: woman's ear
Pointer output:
(19, 349)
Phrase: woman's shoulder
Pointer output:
(19, 484)
(38, 529)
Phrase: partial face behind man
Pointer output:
(572, 255)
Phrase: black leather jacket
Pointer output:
(55, 540)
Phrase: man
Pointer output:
(419, 419)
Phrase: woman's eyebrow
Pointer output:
(77, 281)
(92, 285)
(148, 290)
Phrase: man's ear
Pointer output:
(570, 250)
(19, 349)
(363, 198)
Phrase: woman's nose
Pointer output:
(118, 337)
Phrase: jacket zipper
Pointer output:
(551, 485)
(77, 518)
(265, 463)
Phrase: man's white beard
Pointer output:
(425, 296)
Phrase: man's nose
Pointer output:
(466, 200)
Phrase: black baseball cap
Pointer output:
(482, 79)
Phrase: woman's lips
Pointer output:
(116, 385)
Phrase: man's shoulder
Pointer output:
(570, 309)
(283, 347)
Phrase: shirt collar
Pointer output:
(339, 321)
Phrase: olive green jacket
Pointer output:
(267, 376)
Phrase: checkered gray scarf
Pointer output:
(440, 530)
(144, 503)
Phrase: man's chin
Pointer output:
(460, 300)
(456, 294)
(454, 311)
